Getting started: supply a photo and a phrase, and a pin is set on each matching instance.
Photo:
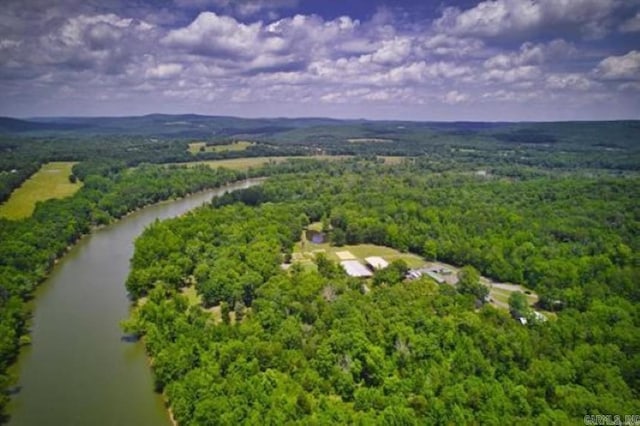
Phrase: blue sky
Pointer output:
(494, 60)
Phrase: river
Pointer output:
(78, 370)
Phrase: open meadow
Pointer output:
(196, 147)
(51, 181)
(249, 162)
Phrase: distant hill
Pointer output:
(314, 131)
(182, 125)
(14, 125)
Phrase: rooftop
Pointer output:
(376, 262)
(355, 269)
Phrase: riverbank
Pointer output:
(87, 239)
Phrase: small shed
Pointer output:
(376, 262)
(354, 268)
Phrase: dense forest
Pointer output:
(548, 205)
(308, 346)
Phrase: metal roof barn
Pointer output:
(376, 262)
(355, 268)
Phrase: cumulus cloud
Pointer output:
(164, 70)
(532, 54)
(631, 25)
(225, 55)
(441, 44)
(392, 51)
(493, 18)
(625, 67)
(520, 73)
(568, 81)
(454, 97)
(242, 8)
(286, 44)
(210, 34)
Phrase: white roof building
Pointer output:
(376, 262)
(355, 268)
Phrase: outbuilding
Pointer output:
(376, 262)
(354, 268)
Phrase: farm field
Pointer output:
(197, 147)
(249, 162)
(51, 181)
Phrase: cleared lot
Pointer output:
(51, 181)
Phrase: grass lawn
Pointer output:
(391, 160)
(196, 147)
(249, 162)
(304, 252)
(51, 181)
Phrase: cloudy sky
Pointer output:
(420, 60)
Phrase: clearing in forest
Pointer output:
(304, 252)
(51, 181)
(250, 162)
(197, 147)
(195, 299)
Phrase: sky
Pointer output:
(493, 60)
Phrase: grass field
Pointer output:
(304, 252)
(51, 181)
(196, 147)
(249, 162)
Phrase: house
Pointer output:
(376, 262)
(432, 273)
(354, 268)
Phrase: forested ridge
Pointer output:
(308, 347)
(30, 247)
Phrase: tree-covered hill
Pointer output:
(310, 347)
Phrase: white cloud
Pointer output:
(568, 81)
(526, 72)
(631, 25)
(532, 54)
(493, 18)
(633, 86)
(503, 95)
(240, 7)
(307, 60)
(392, 51)
(625, 67)
(442, 44)
(454, 97)
(210, 34)
(164, 70)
